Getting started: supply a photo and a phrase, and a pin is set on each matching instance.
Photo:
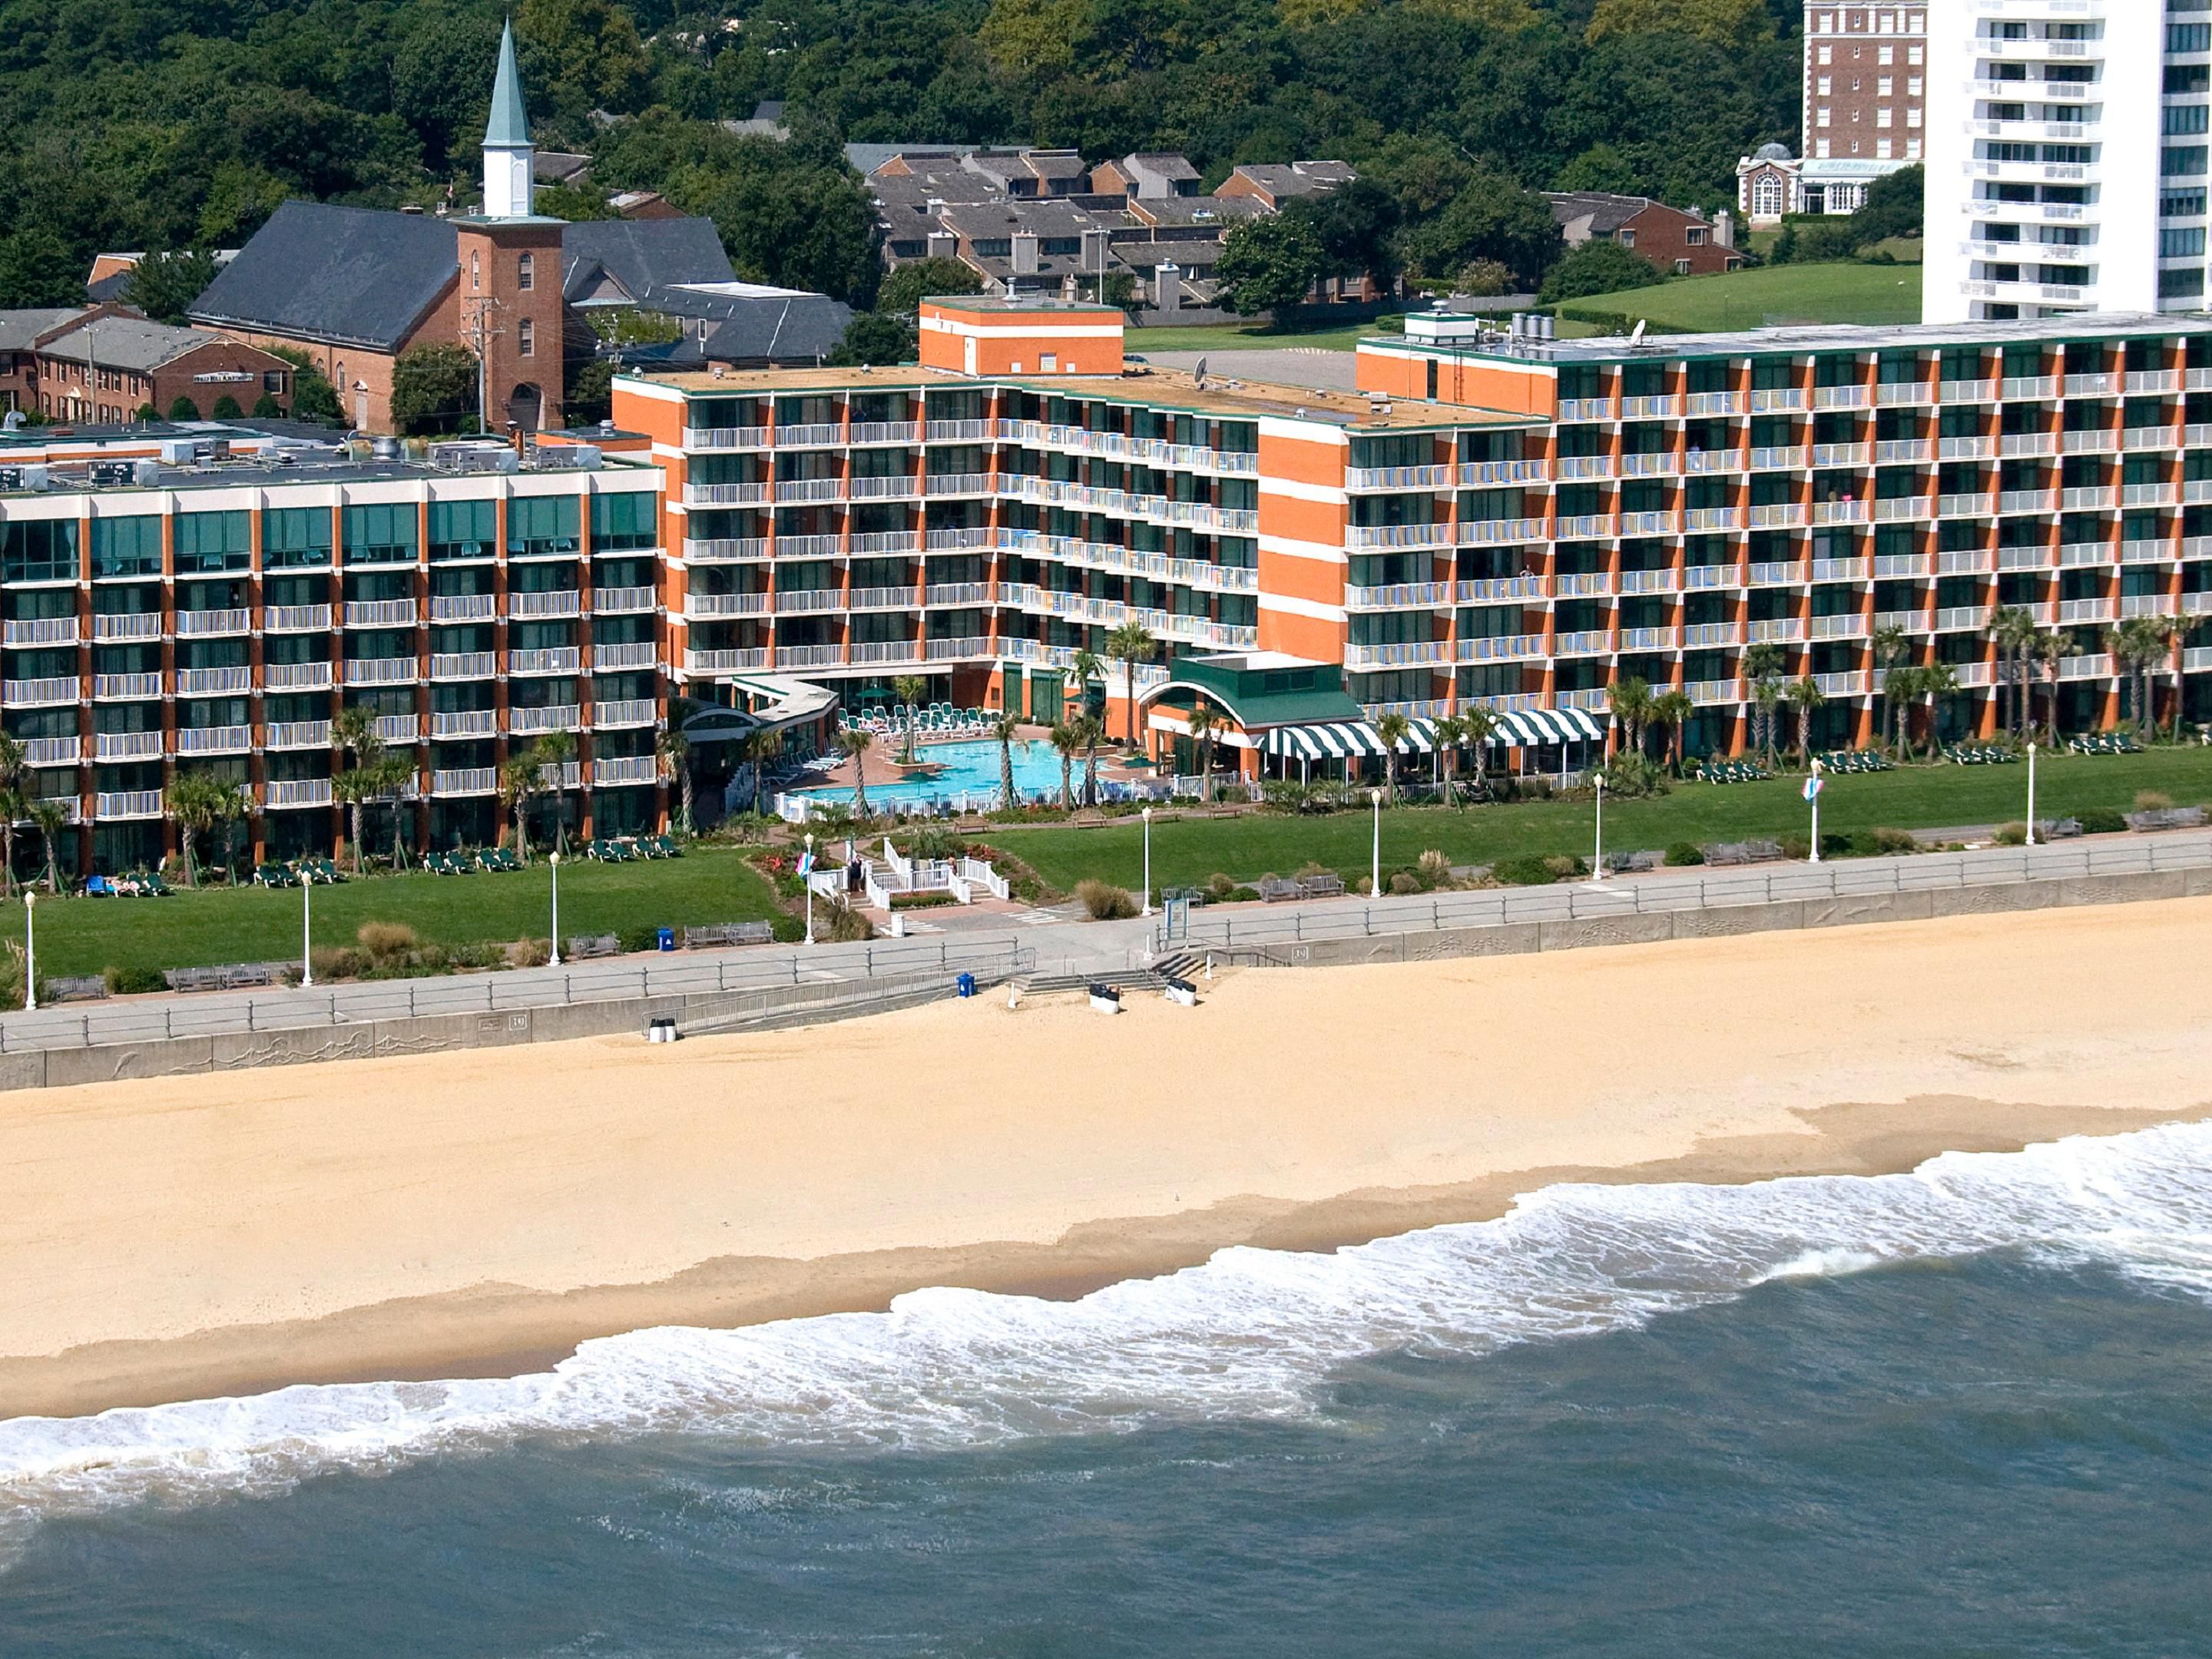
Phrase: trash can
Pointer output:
(967, 983)
(667, 941)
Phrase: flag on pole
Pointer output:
(1813, 785)
(806, 863)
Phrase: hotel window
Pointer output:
(45, 550)
(379, 533)
(1881, 147)
(1823, 87)
(462, 530)
(1827, 54)
(1820, 150)
(544, 524)
(1885, 56)
(526, 272)
(1884, 86)
(209, 543)
(298, 539)
(1881, 117)
(121, 547)
(1821, 116)
(526, 338)
(1912, 56)
(623, 521)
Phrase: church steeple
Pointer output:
(509, 186)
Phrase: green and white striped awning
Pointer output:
(1524, 728)
(1343, 740)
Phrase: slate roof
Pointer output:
(131, 343)
(1604, 211)
(748, 329)
(351, 276)
(20, 330)
(643, 255)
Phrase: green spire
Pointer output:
(509, 126)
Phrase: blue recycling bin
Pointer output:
(967, 983)
(667, 939)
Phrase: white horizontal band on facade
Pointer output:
(1290, 605)
(1320, 552)
(645, 388)
(1296, 491)
(1039, 330)
(1304, 432)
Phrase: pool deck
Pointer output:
(883, 769)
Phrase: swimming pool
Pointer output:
(972, 766)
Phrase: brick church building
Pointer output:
(356, 287)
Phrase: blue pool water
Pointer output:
(1961, 1414)
(970, 766)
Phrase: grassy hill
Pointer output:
(1769, 296)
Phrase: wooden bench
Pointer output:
(1274, 889)
(1330, 885)
(582, 947)
(1631, 864)
(229, 976)
(728, 933)
(2168, 818)
(76, 990)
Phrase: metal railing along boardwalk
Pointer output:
(836, 973)
(1649, 895)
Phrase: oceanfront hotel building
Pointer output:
(1490, 518)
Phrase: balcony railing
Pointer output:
(122, 803)
(624, 714)
(463, 607)
(459, 723)
(41, 694)
(559, 717)
(397, 728)
(214, 739)
(623, 601)
(214, 682)
(725, 494)
(294, 618)
(886, 651)
(1397, 535)
(52, 751)
(381, 671)
(956, 650)
(558, 602)
(621, 657)
(884, 599)
(547, 659)
(625, 768)
(121, 688)
(463, 666)
(1500, 648)
(1778, 629)
(109, 747)
(725, 437)
(116, 625)
(465, 781)
(732, 661)
(28, 632)
(297, 734)
(380, 613)
(726, 550)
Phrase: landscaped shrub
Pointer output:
(920, 901)
(1241, 895)
(1103, 902)
(2101, 821)
(2153, 800)
(1435, 869)
(385, 939)
(2010, 834)
(134, 982)
(338, 962)
(1684, 852)
(1797, 847)
(1405, 882)
(529, 953)
(1526, 869)
(787, 930)
(1219, 886)
(1833, 845)
(1564, 868)
(1889, 842)
(640, 938)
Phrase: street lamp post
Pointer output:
(1374, 872)
(1598, 849)
(30, 952)
(808, 867)
(307, 931)
(2031, 794)
(556, 909)
(1148, 860)
(1813, 787)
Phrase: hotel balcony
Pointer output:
(214, 624)
(382, 670)
(295, 618)
(297, 734)
(883, 652)
(37, 632)
(463, 607)
(884, 599)
(972, 647)
(284, 794)
(380, 613)
(625, 769)
(397, 728)
(725, 494)
(624, 715)
(452, 665)
(52, 751)
(1399, 596)
(60, 691)
(110, 747)
(559, 717)
(725, 437)
(215, 682)
(461, 724)
(699, 607)
(464, 780)
(116, 627)
(296, 677)
(121, 805)
(1398, 477)
(124, 688)
(624, 601)
(546, 661)
(1500, 532)
(619, 658)
(558, 603)
(1411, 654)
(1500, 648)
(737, 661)
(214, 740)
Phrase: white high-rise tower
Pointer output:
(2067, 143)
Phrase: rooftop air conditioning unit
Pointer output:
(178, 452)
(147, 473)
(111, 473)
(22, 478)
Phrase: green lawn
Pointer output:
(254, 924)
(1186, 852)
(1254, 337)
(1774, 294)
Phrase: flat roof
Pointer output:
(74, 479)
(1154, 387)
(1803, 339)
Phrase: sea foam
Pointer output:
(1250, 1334)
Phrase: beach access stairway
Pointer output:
(897, 875)
(1154, 976)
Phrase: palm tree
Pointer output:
(50, 817)
(1900, 689)
(1003, 730)
(1672, 709)
(394, 772)
(1084, 670)
(1129, 645)
(1936, 682)
(353, 735)
(195, 803)
(1451, 732)
(2049, 651)
(1762, 666)
(1203, 725)
(1091, 730)
(1892, 645)
(1066, 741)
(856, 743)
(554, 751)
(1805, 698)
(1478, 723)
(758, 748)
(674, 749)
(518, 782)
(1631, 707)
(909, 687)
(14, 775)
(1392, 729)
(2014, 631)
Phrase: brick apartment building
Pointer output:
(1865, 100)
(106, 362)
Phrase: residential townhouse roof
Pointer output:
(20, 330)
(128, 342)
(1222, 210)
(641, 257)
(1601, 213)
(1285, 179)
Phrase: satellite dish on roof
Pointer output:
(1200, 370)
(1635, 334)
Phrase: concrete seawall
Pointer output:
(1524, 937)
(309, 1045)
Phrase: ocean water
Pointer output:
(1963, 1412)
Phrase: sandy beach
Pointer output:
(479, 1214)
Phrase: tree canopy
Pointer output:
(168, 124)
